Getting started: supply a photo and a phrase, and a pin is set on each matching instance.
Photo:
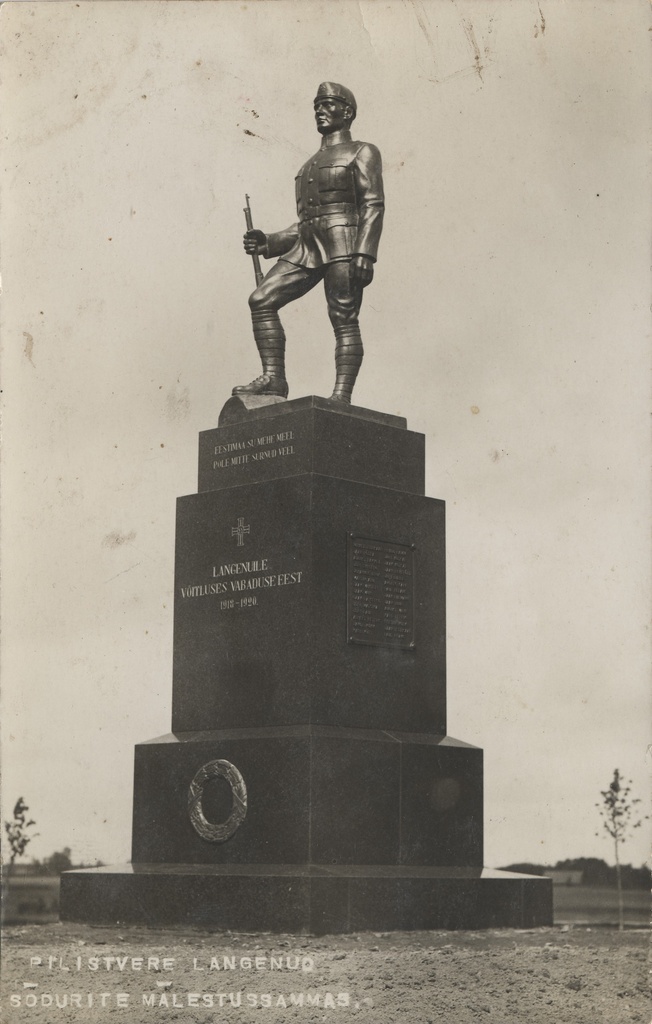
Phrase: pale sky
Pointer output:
(508, 321)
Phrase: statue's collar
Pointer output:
(335, 139)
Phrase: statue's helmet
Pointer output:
(331, 90)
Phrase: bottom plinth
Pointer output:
(311, 899)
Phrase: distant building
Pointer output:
(562, 877)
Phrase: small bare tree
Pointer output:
(18, 831)
(619, 818)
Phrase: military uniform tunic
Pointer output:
(340, 205)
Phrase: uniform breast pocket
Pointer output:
(336, 178)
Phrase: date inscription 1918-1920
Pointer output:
(380, 593)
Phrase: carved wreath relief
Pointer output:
(204, 828)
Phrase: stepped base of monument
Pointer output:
(313, 899)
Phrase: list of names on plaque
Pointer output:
(380, 605)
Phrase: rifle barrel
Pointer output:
(254, 256)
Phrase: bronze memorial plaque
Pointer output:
(380, 593)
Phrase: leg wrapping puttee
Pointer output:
(348, 359)
(270, 339)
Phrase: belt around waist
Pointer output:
(328, 210)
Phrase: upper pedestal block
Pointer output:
(310, 435)
(309, 600)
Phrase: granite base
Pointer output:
(310, 899)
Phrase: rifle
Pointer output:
(256, 259)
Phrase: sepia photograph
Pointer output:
(325, 523)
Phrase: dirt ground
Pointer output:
(138, 976)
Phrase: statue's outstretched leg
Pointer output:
(283, 283)
(270, 340)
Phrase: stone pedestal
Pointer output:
(308, 783)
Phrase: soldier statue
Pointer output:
(340, 205)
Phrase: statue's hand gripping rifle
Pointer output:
(255, 257)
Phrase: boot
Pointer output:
(270, 339)
(348, 359)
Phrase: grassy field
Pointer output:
(30, 900)
(581, 904)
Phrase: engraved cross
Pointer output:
(239, 531)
